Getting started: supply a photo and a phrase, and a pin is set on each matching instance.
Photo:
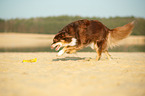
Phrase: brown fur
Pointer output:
(120, 33)
(92, 31)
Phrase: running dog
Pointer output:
(83, 33)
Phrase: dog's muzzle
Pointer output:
(57, 45)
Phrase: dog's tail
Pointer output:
(120, 33)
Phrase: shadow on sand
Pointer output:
(68, 58)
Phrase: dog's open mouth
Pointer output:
(56, 46)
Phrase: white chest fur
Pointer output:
(73, 42)
(93, 45)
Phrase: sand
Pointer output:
(72, 75)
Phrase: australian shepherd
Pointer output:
(83, 33)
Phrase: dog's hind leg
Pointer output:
(108, 55)
(99, 52)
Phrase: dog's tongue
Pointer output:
(57, 47)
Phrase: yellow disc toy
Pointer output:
(31, 60)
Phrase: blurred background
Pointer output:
(30, 25)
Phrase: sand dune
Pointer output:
(72, 75)
(22, 40)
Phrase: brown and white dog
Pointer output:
(83, 33)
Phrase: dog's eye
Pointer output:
(55, 40)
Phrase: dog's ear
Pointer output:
(67, 35)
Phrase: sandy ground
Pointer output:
(72, 75)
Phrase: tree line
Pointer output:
(53, 24)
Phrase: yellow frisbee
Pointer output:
(31, 60)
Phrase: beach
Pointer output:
(72, 74)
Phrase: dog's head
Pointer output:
(63, 39)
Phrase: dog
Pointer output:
(83, 33)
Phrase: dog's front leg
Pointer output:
(71, 49)
(61, 52)
(68, 49)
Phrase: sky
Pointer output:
(99, 8)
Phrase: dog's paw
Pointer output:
(60, 53)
